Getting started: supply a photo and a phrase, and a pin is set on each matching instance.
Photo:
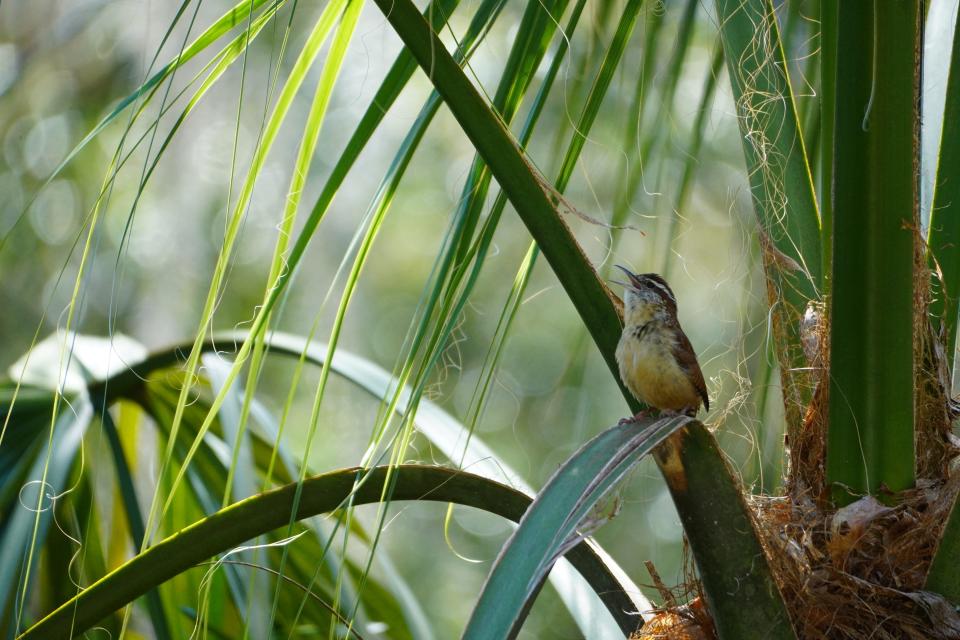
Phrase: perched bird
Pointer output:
(657, 362)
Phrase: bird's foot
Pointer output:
(637, 417)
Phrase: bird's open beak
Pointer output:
(630, 276)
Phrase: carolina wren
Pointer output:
(657, 362)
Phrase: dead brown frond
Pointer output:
(807, 446)
(859, 571)
(676, 621)
(934, 445)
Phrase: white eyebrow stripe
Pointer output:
(662, 287)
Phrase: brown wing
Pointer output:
(687, 359)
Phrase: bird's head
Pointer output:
(646, 294)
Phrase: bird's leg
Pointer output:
(673, 413)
